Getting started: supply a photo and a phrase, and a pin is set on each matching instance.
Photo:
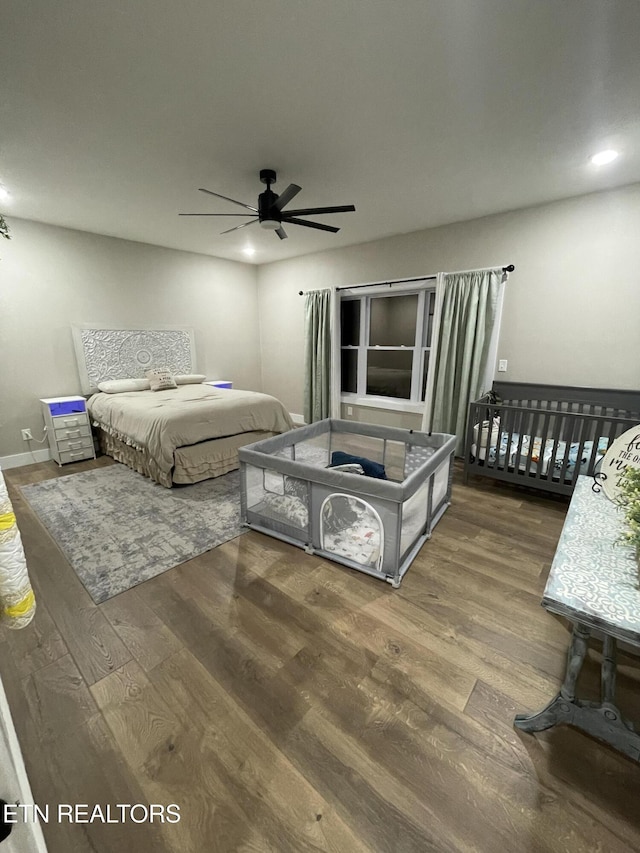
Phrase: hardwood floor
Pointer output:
(288, 704)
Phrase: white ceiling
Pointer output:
(419, 112)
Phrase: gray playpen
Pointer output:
(374, 525)
(545, 436)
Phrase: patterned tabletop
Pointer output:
(595, 578)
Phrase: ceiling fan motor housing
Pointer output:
(268, 215)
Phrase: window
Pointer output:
(385, 345)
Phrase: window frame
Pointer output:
(427, 304)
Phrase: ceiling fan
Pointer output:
(269, 212)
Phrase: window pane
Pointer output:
(349, 370)
(350, 322)
(425, 374)
(389, 373)
(393, 321)
(430, 300)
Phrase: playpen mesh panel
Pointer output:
(440, 486)
(416, 456)
(414, 517)
(312, 451)
(351, 528)
(277, 499)
(395, 453)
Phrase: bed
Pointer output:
(545, 436)
(295, 488)
(175, 436)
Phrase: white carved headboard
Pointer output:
(128, 353)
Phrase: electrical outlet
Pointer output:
(502, 365)
(26, 435)
(349, 410)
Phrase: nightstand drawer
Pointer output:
(70, 421)
(74, 432)
(75, 444)
(76, 455)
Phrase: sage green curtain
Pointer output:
(318, 355)
(469, 310)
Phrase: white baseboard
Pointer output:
(297, 419)
(20, 459)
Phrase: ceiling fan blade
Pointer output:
(282, 234)
(213, 214)
(285, 197)
(226, 198)
(308, 211)
(242, 225)
(320, 226)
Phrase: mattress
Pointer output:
(543, 459)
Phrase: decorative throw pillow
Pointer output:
(119, 386)
(160, 379)
(190, 378)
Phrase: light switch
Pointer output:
(502, 365)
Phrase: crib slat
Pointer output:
(598, 432)
(555, 437)
(537, 419)
(568, 439)
(583, 428)
(533, 432)
(509, 431)
(544, 438)
(518, 420)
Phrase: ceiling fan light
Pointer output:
(269, 224)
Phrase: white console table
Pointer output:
(594, 582)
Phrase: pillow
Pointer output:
(189, 378)
(160, 379)
(118, 386)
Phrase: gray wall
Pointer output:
(571, 310)
(52, 277)
(571, 313)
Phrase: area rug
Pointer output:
(118, 528)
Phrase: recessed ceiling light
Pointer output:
(604, 157)
(4, 194)
(249, 250)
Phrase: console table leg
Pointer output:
(560, 709)
(575, 659)
(608, 671)
(603, 719)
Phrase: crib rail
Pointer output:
(545, 441)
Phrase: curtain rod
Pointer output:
(508, 268)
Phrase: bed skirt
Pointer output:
(194, 463)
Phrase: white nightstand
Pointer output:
(219, 383)
(68, 429)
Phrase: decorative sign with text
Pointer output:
(623, 453)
